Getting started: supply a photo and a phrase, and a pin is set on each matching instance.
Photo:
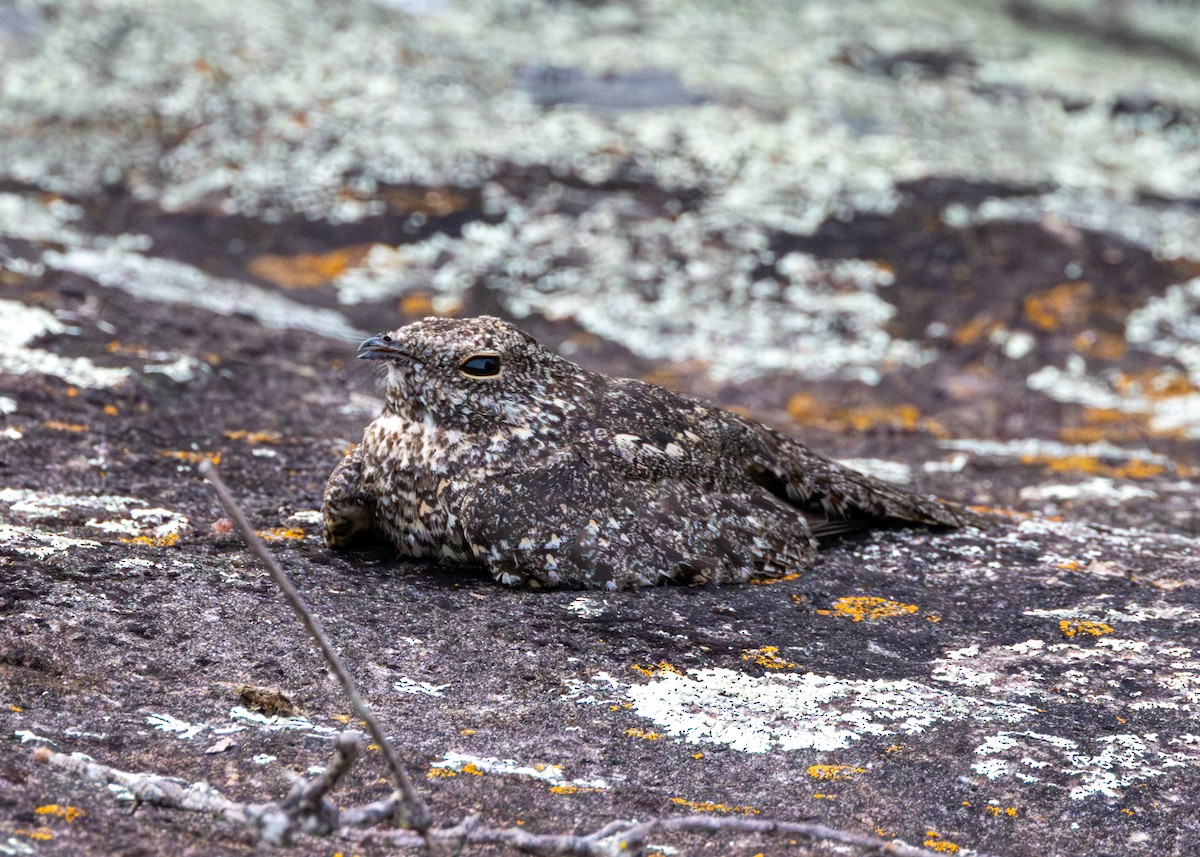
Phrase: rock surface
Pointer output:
(926, 239)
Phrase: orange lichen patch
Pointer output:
(996, 811)
(1007, 513)
(1069, 565)
(808, 409)
(1100, 346)
(191, 457)
(660, 668)
(41, 834)
(834, 772)
(895, 748)
(16, 709)
(59, 425)
(307, 270)
(166, 541)
(634, 732)
(868, 608)
(705, 806)
(1091, 465)
(466, 733)
(471, 769)
(1073, 627)
(767, 581)
(440, 773)
(435, 202)
(1062, 306)
(935, 842)
(252, 436)
(767, 657)
(66, 813)
(417, 304)
(1155, 384)
(934, 618)
(111, 411)
(979, 328)
(276, 533)
(823, 796)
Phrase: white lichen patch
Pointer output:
(274, 723)
(1107, 491)
(1105, 766)
(424, 688)
(172, 725)
(20, 325)
(166, 281)
(616, 275)
(587, 606)
(39, 544)
(1039, 448)
(483, 765)
(125, 517)
(880, 468)
(1106, 669)
(790, 711)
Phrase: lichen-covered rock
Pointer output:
(926, 238)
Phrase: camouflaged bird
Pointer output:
(493, 450)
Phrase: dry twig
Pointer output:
(411, 808)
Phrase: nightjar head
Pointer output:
(470, 372)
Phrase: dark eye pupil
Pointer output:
(481, 366)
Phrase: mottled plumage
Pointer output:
(493, 450)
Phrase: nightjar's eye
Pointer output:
(481, 366)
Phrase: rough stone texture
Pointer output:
(928, 239)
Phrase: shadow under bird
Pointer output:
(492, 450)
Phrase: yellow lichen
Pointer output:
(571, 790)
(1073, 627)
(661, 668)
(834, 772)
(996, 811)
(111, 410)
(438, 773)
(59, 425)
(823, 796)
(276, 533)
(634, 732)
(767, 581)
(166, 541)
(41, 834)
(466, 732)
(767, 657)
(189, 456)
(935, 842)
(808, 409)
(705, 806)
(868, 607)
(252, 436)
(1064, 305)
(417, 304)
(307, 270)
(66, 813)
(1091, 465)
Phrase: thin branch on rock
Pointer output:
(411, 809)
(278, 823)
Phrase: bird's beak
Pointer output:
(381, 347)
